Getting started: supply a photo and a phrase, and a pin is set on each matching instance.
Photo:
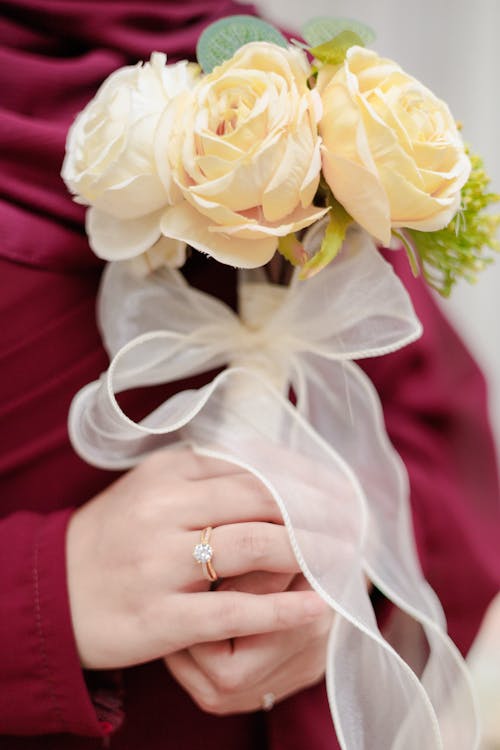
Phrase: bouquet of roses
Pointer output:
(266, 151)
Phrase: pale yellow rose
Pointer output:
(391, 152)
(243, 148)
(165, 252)
(109, 163)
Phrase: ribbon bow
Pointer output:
(340, 486)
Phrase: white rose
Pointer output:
(109, 163)
(244, 150)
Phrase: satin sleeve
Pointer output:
(43, 687)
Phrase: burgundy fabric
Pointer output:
(54, 56)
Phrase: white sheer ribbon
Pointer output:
(340, 486)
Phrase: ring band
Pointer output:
(268, 701)
(203, 553)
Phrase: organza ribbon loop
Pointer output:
(341, 488)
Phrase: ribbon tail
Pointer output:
(342, 404)
(324, 509)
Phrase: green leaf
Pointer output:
(219, 41)
(410, 251)
(334, 51)
(292, 250)
(332, 241)
(318, 31)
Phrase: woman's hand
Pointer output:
(233, 676)
(136, 592)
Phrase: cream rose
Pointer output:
(244, 151)
(391, 151)
(109, 163)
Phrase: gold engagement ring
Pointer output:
(203, 553)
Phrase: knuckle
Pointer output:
(206, 492)
(166, 460)
(255, 542)
(320, 628)
(226, 678)
(212, 702)
(143, 512)
(253, 485)
(152, 462)
(265, 498)
(147, 570)
(189, 463)
(281, 613)
(143, 619)
(207, 700)
(229, 618)
(314, 669)
(316, 672)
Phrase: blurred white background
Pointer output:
(452, 46)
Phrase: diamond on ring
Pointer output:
(203, 552)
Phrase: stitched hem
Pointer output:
(58, 713)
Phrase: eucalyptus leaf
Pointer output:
(332, 241)
(334, 51)
(320, 30)
(219, 41)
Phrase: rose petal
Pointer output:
(183, 222)
(215, 212)
(361, 194)
(242, 187)
(341, 126)
(165, 252)
(116, 239)
(282, 194)
(254, 229)
(409, 205)
(441, 218)
(136, 197)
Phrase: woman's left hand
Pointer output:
(233, 676)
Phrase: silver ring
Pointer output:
(268, 701)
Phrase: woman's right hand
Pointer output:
(136, 592)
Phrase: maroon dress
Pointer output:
(54, 56)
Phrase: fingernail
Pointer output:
(313, 605)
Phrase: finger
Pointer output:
(192, 466)
(184, 669)
(219, 615)
(241, 548)
(232, 498)
(229, 692)
(299, 583)
(257, 582)
(255, 657)
(197, 467)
